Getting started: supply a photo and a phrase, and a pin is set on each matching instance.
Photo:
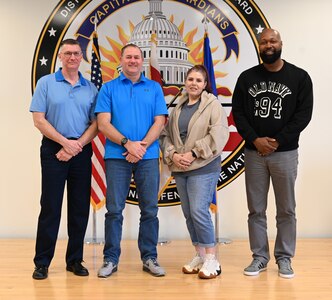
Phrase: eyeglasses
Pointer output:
(69, 54)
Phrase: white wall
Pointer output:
(305, 29)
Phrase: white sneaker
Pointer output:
(211, 268)
(194, 266)
(107, 269)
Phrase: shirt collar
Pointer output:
(142, 77)
(59, 77)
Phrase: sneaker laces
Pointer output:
(211, 264)
(106, 263)
(284, 264)
(154, 262)
(210, 257)
(256, 263)
(195, 261)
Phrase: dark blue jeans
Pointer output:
(118, 176)
(55, 174)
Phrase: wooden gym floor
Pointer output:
(312, 265)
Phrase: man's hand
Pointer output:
(274, 144)
(136, 149)
(62, 155)
(130, 158)
(266, 145)
(73, 147)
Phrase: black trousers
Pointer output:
(76, 173)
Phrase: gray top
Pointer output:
(187, 112)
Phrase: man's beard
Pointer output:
(270, 58)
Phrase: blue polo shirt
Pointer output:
(69, 109)
(133, 107)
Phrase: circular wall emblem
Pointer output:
(233, 28)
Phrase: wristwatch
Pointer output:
(124, 141)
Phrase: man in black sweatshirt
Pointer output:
(272, 104)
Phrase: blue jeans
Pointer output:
(196, 192)
(281, 169)
(118, 177)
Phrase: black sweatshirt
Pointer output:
(273, 104)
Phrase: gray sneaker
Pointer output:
(152, 266)
(107, 269)
(285, 268)
(254, 268)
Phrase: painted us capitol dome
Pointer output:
(172, 52)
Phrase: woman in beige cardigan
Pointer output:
(192, 142)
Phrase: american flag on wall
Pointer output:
(98, 180)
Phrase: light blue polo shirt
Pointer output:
(69, 109)
(133, 107)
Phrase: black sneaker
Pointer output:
(40, 272)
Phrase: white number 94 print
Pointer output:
(264, 107)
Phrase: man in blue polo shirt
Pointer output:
(131, 112)
(63, 110)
